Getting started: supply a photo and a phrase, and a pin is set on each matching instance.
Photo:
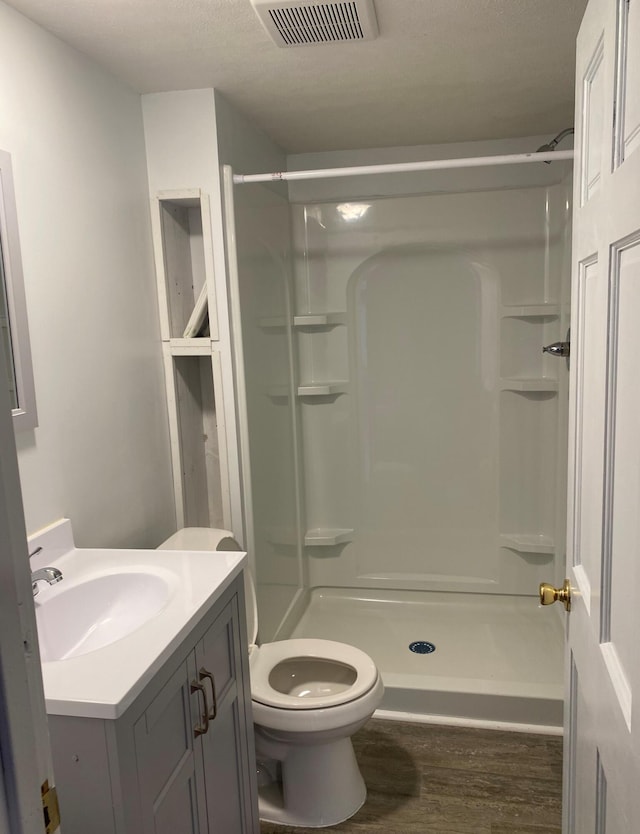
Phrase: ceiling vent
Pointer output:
(312, 22)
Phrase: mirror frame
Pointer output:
(25, 417)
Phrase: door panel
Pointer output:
(618, 593)
(590, 353)
(627, 128)
(593, 117)
(603, 763)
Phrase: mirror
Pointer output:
(13, 310)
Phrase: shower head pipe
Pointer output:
(553, 144)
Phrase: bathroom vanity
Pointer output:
(166, 747)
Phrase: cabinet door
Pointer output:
(225, 747)
(169, 766)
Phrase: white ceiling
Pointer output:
(440, 71)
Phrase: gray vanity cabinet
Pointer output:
(180, 760)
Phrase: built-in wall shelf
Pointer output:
(528, 543)
(539, 384)
(319, 319)
(531, 311)
(323, 389)
(183, 248)
(200, 346)
(327, 536)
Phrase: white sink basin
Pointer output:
(80, 618)
(116, 617)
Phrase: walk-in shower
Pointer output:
(405, 440)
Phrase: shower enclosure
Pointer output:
(404, 448)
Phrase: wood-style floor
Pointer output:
(453, 780)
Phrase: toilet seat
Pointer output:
(264, 659)
(308, 698)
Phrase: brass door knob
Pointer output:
(549, 594)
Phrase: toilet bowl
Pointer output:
(308, 697)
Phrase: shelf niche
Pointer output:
(184, 264)
(196, 453)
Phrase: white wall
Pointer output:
(100, 454)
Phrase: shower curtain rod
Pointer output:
(399, 167)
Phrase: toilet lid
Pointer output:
(264, 659)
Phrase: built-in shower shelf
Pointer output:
(531, 311)
(200, 346)
(541, 384)
(528, 543)
(311, 320)
(323, 389)
(327, 536)
(319, 319)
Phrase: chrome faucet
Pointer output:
(50, 575)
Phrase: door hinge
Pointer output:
(50, 808)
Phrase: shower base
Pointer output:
(497, 657)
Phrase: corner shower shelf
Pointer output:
(540, 384)
(528, 543)
(327, 536)
(531, 311)
(319, 319)
(311, 320)
(200, 346)
(323, 389)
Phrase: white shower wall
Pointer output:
(434, 462)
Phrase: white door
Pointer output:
(25, 757)
(602, 742)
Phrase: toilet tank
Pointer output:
(215, 539)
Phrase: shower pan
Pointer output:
(406, 432)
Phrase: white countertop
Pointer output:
(104, 682)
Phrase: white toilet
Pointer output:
(309, 697)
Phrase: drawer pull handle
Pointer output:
(206, 674)
(201, 729)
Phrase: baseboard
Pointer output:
(446, 720)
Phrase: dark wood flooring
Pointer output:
(453, 780)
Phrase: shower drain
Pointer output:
(422, 647)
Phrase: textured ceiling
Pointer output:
(440, 71)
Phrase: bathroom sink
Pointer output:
(80, 618)
(116, 616)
